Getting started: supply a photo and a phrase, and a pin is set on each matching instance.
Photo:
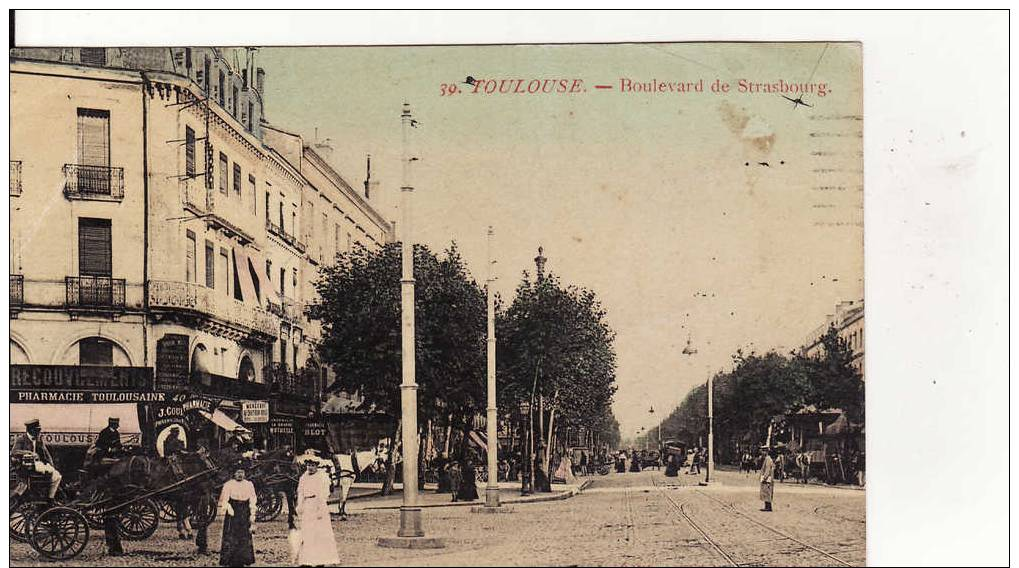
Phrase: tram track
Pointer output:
(784, 536)
(728, 552)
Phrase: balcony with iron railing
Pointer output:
(15, 178)
(195, 196)
(94, 293)
(101, 183)
(288, 384)
(219, 213)
(196, 298)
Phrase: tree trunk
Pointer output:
(387, 485)
(449, 434)
(551, 436)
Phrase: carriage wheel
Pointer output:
(139, 520)
(167, 513)
(203, 512)
(60, 533)
(270, 505)
(22, 515)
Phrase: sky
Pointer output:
(729, 220)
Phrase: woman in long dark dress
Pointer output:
(468, 490)
(237, 503)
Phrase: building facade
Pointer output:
(848, 321)
(164, 249)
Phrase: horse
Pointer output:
(276, 472)
(347, 470)
(185, 481)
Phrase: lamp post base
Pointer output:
(411, 542)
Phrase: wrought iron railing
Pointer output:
(284, 382)
(17, 289)
(94, 292)
(15, 178)
(197, 298)
(93, 182)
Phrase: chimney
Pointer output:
(260, 80)
(369, 185)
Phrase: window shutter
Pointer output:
(210, 265)
(189, 152)
(93, 137)
(95, 247)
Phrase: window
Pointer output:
(189, 152)
(93, 137)
(93, 56)
(237, 179)
(267, 206)
(295, 278)
(95, 248)
(210, 265)
(336, 239)
(254, 194)
(224, 173)
(251, 116)
(293, 222)
(348, 242)
(206, 76)
(192, 267)
(95, 351)
(310, 219)
(224, 271)
(283, 352)
(281, 215)
(283, 282)
(221, 95)
(236, 103)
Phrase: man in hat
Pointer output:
(767, 478)
(31, 441)
(108, 443)
(173, 447)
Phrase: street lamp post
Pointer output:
(492, 489)
(525, 450)
(411, 533)
(711, 432)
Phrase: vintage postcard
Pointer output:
(335, 305)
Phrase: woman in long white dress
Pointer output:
(318, 545)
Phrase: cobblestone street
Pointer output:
(620, 519)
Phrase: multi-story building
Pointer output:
(164, 238)
(848, 321)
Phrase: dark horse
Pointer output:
(273, 473)
(186, 481)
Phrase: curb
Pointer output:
(561, 496)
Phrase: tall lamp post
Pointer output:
(411, 533)
(492, 489)
(711, 432)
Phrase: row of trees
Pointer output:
(762, 387)
(554, 349)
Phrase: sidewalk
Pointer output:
(367, 496)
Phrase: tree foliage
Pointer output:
(760, 388)
(361, 330)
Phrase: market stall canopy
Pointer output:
(479, 441)
(219, 418)
(76, 424)
(840, 427)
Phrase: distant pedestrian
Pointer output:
(767, 478)
(237, 503)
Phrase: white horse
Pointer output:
(348, 467)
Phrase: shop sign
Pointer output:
(88, 397)
(281, 426)
(79, 377)
(81, 438)
(255, 411)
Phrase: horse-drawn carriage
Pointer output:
(125, 494)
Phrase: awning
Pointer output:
(243, 274)
(478, 441)
(76, 424)
(219, 418)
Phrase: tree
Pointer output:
(834, 382)
(361, 332)
(556, 353)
